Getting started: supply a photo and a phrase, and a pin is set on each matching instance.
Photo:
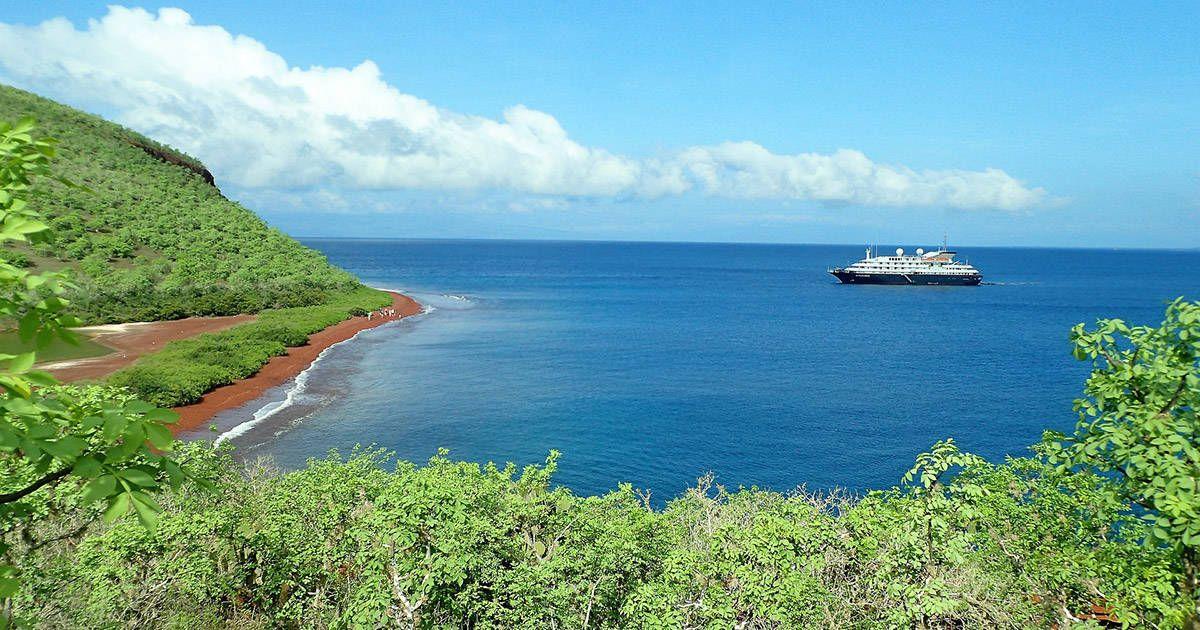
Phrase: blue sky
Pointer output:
(1087, 112)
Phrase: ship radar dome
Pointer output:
(920, 251)
(899, 251)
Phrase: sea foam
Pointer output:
(300, 385)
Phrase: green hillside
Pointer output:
(150, 236)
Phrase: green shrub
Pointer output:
(365, 543)
(285, 335)
(183, 371)
(16, 259)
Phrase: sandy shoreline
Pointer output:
(129, 342)
(283, 368)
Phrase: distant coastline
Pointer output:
(283, 368)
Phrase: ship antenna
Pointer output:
(945, 242)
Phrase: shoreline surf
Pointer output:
(286, 367)
(291, 396)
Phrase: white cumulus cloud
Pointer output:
(261, 123)
(747, 170)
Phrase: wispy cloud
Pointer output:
(261, 123)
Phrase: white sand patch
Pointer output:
(58, 365)
(110, 329)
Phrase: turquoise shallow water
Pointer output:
(655, 363)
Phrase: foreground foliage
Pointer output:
(1139, 424)
(80, 452)
(150, 237)
(357, 543)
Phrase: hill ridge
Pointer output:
(152, 237)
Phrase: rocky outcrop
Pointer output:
(171, 157)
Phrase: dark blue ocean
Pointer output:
(655, 363)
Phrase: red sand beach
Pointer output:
(131, 341)
(283, 368)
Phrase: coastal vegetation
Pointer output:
(185, 370)
(106, 521)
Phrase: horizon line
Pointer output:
(756, 243)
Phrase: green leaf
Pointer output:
(22, 362)
(40, 429)
(86, 467)
(67, 447)
(160, 436)
(117, 507)
(25, 124)
(9, 586)
(138, 477)
(122, 451)
(41, 379)
(147, 510)
(28, 326)
(175, 474)
(99, 488)
(25, 226)
(165, 416)
(139, 406)
(114, 426)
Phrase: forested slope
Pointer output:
(149, 234)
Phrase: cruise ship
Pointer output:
(925, 268)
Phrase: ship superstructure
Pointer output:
(925, 268)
